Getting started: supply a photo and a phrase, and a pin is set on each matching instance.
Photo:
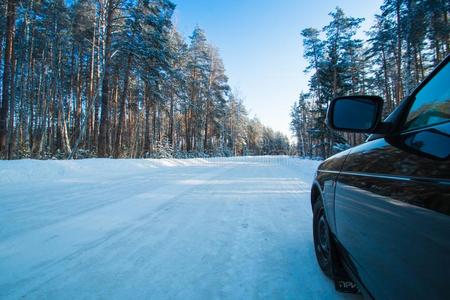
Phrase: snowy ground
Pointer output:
(161, 229)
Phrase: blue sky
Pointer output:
(259, 41)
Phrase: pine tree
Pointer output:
(407, 39)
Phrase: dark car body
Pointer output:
(387, 203)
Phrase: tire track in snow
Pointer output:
(37, 275)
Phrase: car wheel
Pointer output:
(322, 239)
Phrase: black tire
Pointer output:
(323, 245)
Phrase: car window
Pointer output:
(432, 103)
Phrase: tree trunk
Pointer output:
(78, 90)
(7, 72)
(103, 139)
(90, 97)
(399, 87)
(147, 121)
(171, 119)
(205, 141)
(62, 128)
(11, 135)
(117, 142)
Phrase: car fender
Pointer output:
(325, 182)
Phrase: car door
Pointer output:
(392, 202)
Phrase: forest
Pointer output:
(115, 78)
(407, 40)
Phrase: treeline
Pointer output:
(115, 78)
(408, 39)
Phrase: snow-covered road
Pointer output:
(237, 228)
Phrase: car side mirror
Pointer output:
(355, 113)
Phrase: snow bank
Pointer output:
(36, 170)
(29, 170)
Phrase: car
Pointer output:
(381, 210)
